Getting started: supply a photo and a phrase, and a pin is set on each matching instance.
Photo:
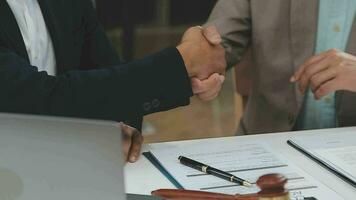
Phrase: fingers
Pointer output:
(136, 145)
(193, 34)
(203, 86)
(125, 149)
(200, 57)
(212, 35)
(313, 69)
(208, 89)
(132, 143)
(322, 77)
(298, 74)
(326, 88)
(327, 72)
(126, 139)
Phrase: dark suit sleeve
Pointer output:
(155, 83)
(97, 50)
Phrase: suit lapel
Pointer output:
(11, 31)
(53, 28)
(303, 30)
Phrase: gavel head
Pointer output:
(272, 187)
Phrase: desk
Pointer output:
(142, 177)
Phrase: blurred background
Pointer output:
(141, 27)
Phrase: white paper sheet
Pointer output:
(245, 160)
(338, 150)
(344, 158)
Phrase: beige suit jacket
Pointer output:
(282, 35)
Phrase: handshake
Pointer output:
(205, 62)
(204, 59)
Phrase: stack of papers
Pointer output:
(248, 161)
(336, 151)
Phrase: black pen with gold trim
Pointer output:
(212, 171)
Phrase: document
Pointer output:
(336, 151)
(344, 158)
(248, 161)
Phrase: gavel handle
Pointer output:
(172, 194)
(189, 194)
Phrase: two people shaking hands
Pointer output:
(90, 80)
(205, 63)
(59, 62)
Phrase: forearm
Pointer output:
(114, 93)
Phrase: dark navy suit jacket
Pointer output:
(92, 82)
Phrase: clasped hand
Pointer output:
(132, 141)
(204, 58)
(327, 72)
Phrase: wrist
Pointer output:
(184, 52)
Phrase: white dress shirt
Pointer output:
(35, 34)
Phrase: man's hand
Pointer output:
(201, 58)
(327, 72)
(132, 141)
(210, 87)
(212, 34)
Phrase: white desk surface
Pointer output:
(142, 177)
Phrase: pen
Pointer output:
(212, 171)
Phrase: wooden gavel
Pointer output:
(272, 188)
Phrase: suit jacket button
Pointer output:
(147, 107)
(156, 103)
